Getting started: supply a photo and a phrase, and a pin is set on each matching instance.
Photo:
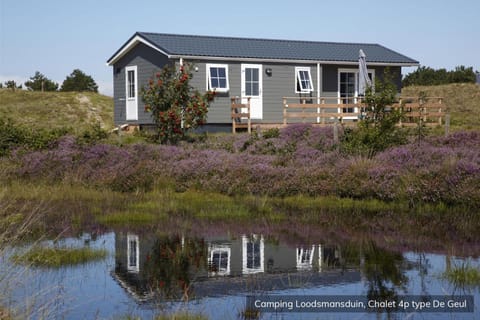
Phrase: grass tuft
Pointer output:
(463, 275)
(129, 218)
(59, 257)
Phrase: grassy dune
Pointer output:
(462, 101)
(38, 110)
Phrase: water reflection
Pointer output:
(180, 268)
(160, 270)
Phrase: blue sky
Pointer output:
(55, 37)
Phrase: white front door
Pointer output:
(131, 92)
(252, 88)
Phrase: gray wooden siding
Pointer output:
(280, 84)
(330, 77)
(275, 87)
(148, 61)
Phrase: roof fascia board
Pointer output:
(393, 64)
(130, 45)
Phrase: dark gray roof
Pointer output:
(268, 49)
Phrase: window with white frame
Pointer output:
(133, 253)
(305, 258)
(303, 80)
(348, 87)
(253, 254)
(219, 260)
(217, 77)
(131, 92)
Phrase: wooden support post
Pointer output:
(447, 124)
(232, 112)
(335, 131)
(322, 111)
(424, 111)
(303, 109)
(249, 125)
(440, 111)
(285, 106)
(401, 111)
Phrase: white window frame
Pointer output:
(298, 83)
(305, 258)
(257, 240)
(131, 101)
(221, 249)
(355, 95)
(372, 71)
(209, 80)
(133, 239)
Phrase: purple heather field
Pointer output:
(301, 159)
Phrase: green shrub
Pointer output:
(92, 134)
(271, 133)
(378, 129)
(13, 136)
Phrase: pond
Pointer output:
(148, 272)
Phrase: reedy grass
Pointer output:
(182, 316)
(15, 227)
(39, 256)
(128, 218)
(463, 275)
(174, 316)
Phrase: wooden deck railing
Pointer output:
(328, 110)
(430, 110)
(240, 114)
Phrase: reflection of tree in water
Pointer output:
(384, 272)
(171, 263)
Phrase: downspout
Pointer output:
(319, 79)
(182, 125)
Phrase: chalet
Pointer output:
(263, 70)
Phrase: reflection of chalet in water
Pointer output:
(224, 259)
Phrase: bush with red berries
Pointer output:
(176, 106)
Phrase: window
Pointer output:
(219, 260)
(305, 258)
(303, 80)
(131, 84)
(133, 253)
(252, 254)
(252, 81)
(217, 77)
(348, 87)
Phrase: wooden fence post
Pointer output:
(440, 111)
(447, 124)
(285, 106)
(322, 111)
(249, 121)
(335, 131)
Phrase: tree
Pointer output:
(176, 107)
(426, 76)
(79, 81)
(12, 84)
(41, 83)
(377, 131)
